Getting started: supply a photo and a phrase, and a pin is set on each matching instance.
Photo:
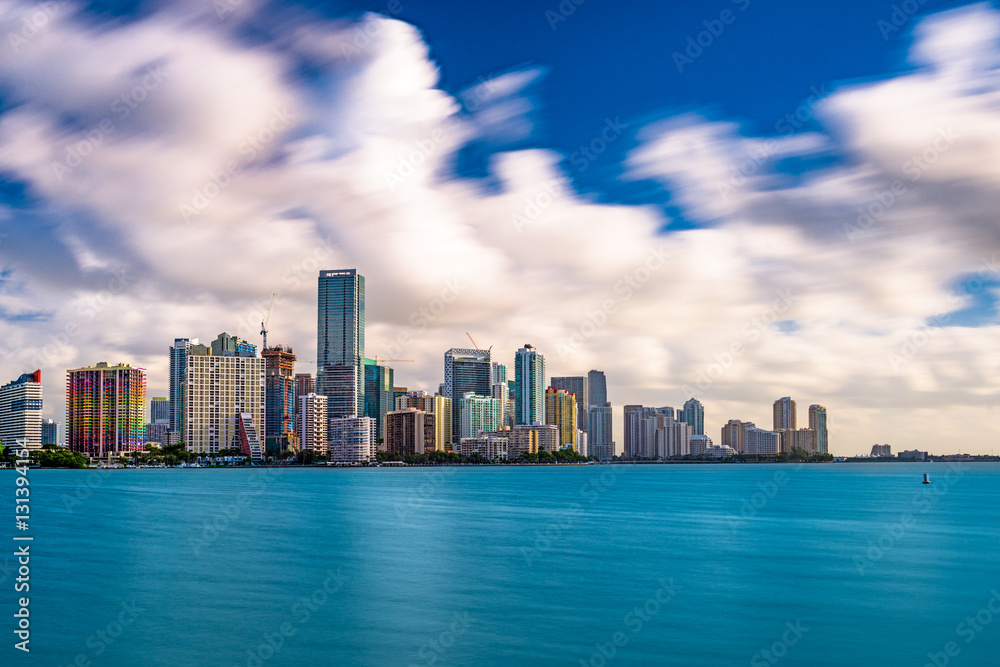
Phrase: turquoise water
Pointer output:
(512, 566)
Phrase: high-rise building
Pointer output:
(732, 435)
(478, 413)
(600, 440)
(817, 422)
(279, 395)
(491, 446)
(340, 341)
(784, 414)
(312, 424)
(700, 444)
(758, 441)
(529, 385)
(21, 411)
(801, 438)
(500, 390)
(50, 432)
(352, 439)
(655, 433)
(560, 411)
(105, 409)
(218, 391)
(379, 392)
(158, 428)
(465, 370)
(178, 373)
(576, 385)
(881, 450)
(597, 388)
(439, 406)
(531, 439)
(227, 345)
(305, 384)
(694, 414)
(409, 431)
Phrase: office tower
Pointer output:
(312, 424)
(21, 412)
(379, 394)
(226, 345)
(529, 385)
(439, 406)
(732, 435)
(158, 428)
(784, 414)
(694, 414)
(817, 422)
(599, 432)
(178, 372)
(465, 370)
(491, 446)
(279, 396)
(50, 432)
(597, 388)
(340, 341)
(576, 385)
(759, 441)
(560, 411)
(581, 443)
(881, 450)
(700, 444)
(654, 433)
(105, 409)
(409, 431)
(500, 390)
(352, 439)
(478, 413)
(218, 391)
(305, 384)
(531, 439)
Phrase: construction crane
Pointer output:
(263, 324)
(376, 359)
(474, 343)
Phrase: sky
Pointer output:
(733, 200)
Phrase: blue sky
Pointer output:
(707, 247)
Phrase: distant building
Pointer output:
(279, 395)
(577, 386)
(784, 414)
(409, 431)
(912, 455)
(352, 439)
(801, 438)
(881, 450)
(700, 444)
(597, 388)
(312, 425)
(305, 384)
(158, 433)
(732, 435)
(720, 451)
(478, 413)
(178, 374)
(339, 385)
(500, 390)
(758, 441)
(379, 394)
(159, 410)
(21, 411)
(465, 370)
(817, 422)
(560, 411)
(50, 432)
(491, 446)
(340, 341)
(600, 443)
(694, 414)
(531, 439)
(226, 345)
(529, 385)
(105, 409)
(439, 406)
(655, 433)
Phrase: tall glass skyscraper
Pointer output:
(693, 414)
(597, 388)
(340, 340)
(178, 373)
(465, 370)
(529, 386)
(576, 385)
(817, 422)
(378, 394)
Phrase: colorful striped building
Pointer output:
(105, 409)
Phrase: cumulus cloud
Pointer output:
(176, 175)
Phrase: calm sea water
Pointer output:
(849, 564)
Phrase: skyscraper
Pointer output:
(694, 414)
(439, 406)
(105, 409)
(340, 341)
(305, 384)
(158, 428)
(560, 411)
(409, 431)
(279, 395)
(465, 370)
(597, 388)
(500, 390)
(817, 422)
(178, 372)
(378, 395)
(352, 439)
(576, 385)
(529, 385)
(478, 413)
(50, 432)
(784, 414)
(600, 441)
(312, 424)
(21, 411)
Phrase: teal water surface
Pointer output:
(837, 564)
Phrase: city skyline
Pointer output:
(711, 248)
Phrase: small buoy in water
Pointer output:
(927, 479)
